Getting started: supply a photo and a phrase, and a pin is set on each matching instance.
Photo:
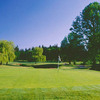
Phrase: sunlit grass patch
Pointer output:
(67, 82)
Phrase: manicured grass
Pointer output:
(68, 83)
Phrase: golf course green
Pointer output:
(66, 83)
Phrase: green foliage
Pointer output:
(98, 57)
(3, 58)
(64, 42)
(17, 53)
(65, 49)
(91, 24)
(87, 25)
(75, 39)
(72, 48)
(37, 55)
(38, 51)
(51, 52)
(91, 19)
(31, 54)
(6, 51)
(43, 58)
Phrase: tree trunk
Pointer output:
(69, 62)
(94, 64)
(74, 62)
(1, 63)
(84, 62)
(6, 63)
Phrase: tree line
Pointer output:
(31, 54)
(81, 44)
(43, 53)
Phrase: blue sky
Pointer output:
(31, 23)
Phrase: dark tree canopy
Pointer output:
(83, 43)
(91, 19)
(87, 25)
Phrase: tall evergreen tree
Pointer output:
(88, 25)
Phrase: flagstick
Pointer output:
(59, 59)
(58, 63)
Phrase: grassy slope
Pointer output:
(19, 83)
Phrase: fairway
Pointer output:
(28, 83)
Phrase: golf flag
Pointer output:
(59, 59)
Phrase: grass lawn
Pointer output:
(67, 83)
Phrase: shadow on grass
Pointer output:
(67, 66)
(36, 66)
(81, 67)
(42, 66)
(46, 66)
